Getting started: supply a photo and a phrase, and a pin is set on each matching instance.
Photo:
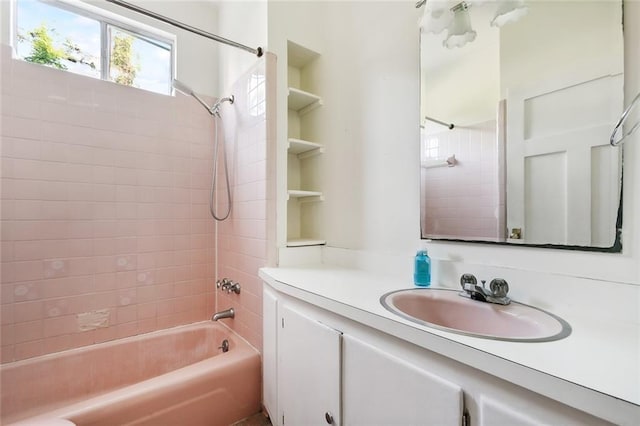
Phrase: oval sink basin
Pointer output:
(447, 310)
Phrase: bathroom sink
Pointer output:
(446, 310)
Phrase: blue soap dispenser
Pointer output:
(422, 269)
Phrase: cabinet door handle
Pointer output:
(328, 417)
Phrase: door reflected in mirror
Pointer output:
(532, 103)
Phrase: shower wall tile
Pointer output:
(242, 239)
(104, 208)
(464, 200)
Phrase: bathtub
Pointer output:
(169, 377)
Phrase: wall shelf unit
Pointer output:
(304, 194)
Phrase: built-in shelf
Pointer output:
(302, 101)
(304, 149)
(302, 242)
(303, 209)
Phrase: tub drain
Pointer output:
(224, 346)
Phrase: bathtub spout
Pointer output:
(229, 313)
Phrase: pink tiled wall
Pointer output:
(243, 239)
(104, 208)
(463, 201)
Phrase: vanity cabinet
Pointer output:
(321, 363)
(315, 374)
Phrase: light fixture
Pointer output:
(437, 17)
(509, 11)
(460, 31)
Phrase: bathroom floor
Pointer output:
(256, 420)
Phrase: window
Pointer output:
(256, 94)
(430, 148)
(85, 40)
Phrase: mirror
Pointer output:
(532, 104)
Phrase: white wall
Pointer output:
(372, 189)
(371, 89)
(244, 22)
(197, 61)
(368, 79)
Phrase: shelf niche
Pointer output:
(303, 193)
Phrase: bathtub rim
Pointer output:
(239, 346)
(142, 336)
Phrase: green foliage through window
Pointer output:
(122, 59)
(57, 35)
(44, 52)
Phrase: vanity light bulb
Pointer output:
(435, 20)
(460, 31)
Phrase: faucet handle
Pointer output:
(467, 279)
(223, 283)
(233, 288)
(499, 287)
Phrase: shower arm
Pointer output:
(258, 52)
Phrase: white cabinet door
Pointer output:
(381, 389)
(308, 371)
(523, 413)
(496, 413)
(269, 352)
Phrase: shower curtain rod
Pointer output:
(186, 27)
(449, 125)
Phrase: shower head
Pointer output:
(215, 109)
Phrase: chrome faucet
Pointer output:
(229, 313)
(228, 285)
(497, 292)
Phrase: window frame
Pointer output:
(106, 19)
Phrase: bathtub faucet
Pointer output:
(229, 313)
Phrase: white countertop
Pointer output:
(596, 369)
